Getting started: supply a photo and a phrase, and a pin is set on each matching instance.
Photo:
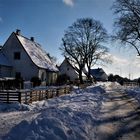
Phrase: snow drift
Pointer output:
(69, 117)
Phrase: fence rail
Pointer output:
(131, 84)
(28, 96)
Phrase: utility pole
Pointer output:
(129, 75)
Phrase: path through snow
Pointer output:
(119, 117)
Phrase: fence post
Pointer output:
(19, 97)
(36, 95)
(31, 96)
(57, 92)
(52, 93)
(39, 92)
(65, 90)
(7, 96)
(26, 98)
(46, 96)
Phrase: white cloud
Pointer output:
(118, 66)
(136, 62)
(69, 2)
(117, 60)
(129, 68)
(126, 67)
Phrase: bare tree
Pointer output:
(127, 24)
(82, 43)
(96, 36)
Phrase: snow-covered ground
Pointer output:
(70, 117)
(134, 92)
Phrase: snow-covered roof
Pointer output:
(4, 60)
(37, 54)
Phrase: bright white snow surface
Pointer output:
(69, 117)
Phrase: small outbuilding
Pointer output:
(99, 74)
(70, 70)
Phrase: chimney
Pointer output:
(32, 38)
(18, 32)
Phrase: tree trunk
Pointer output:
(88, 75)
(80, 76)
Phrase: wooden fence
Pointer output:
(131, 84)
(28, 96)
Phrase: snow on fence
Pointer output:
(28, 96)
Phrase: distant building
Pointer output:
(67, 68)
(23, 57)
(99, 74)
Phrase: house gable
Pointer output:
(99, 74)
(37, 54)
(66, 68)
(23, 65)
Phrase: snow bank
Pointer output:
(4, 107)
(109, 85)
(69, 117)
(134, 93)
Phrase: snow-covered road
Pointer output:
(119, 117)
(103, 112)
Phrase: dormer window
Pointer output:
(17, 55)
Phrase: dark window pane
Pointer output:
(17, 55)
(18, 75)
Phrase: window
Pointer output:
(42, 76)
(18, 75)
(17, 55)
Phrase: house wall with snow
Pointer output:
(66, 68)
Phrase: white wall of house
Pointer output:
(47, 77)
(42, 74)
(67, 69)
(24, 65)
(51, 77)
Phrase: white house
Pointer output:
(23, 57)
(67, 68)
(99, 74)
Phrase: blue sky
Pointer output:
(46, 20)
